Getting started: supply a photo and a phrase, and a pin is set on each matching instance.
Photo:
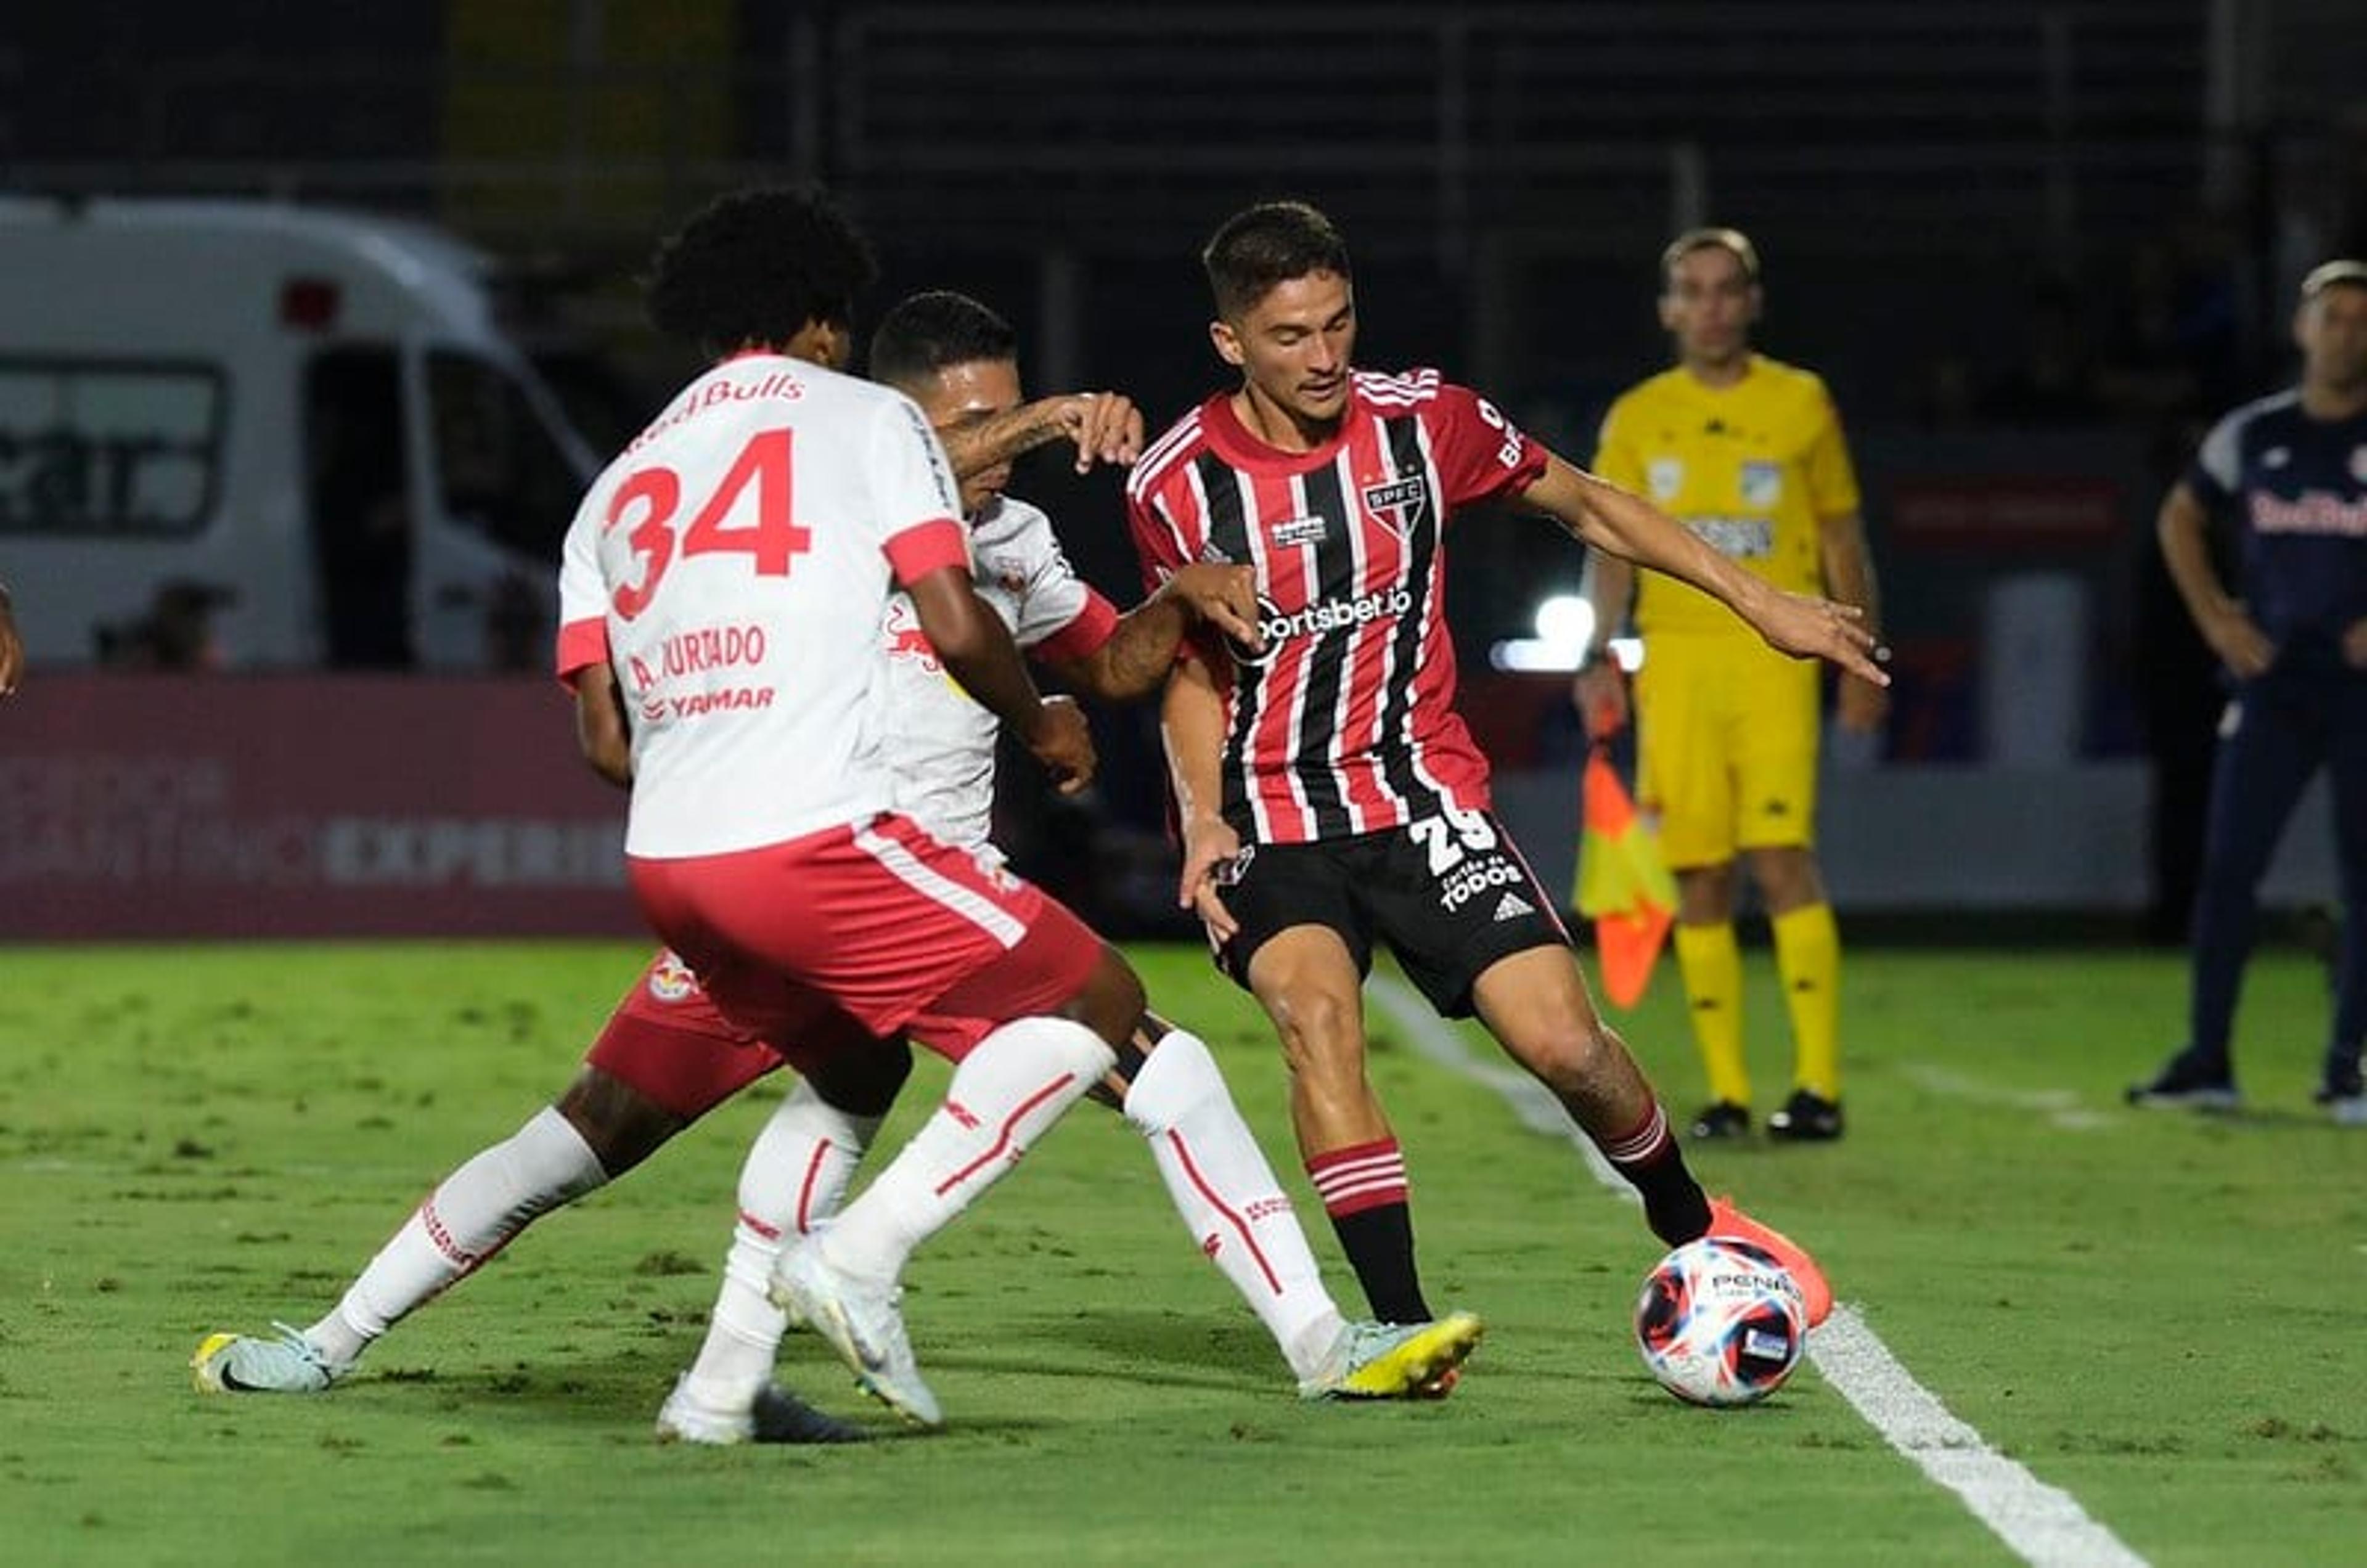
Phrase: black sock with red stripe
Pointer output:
(1649, 1156)
(1363, 1189)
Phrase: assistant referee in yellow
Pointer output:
(1747, 452)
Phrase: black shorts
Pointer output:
(1450, 896)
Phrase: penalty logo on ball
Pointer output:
(1720, 1323)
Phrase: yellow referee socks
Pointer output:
(1809, 957)
(1711, 962)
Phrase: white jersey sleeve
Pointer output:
(747, 545)
(941, 743)
(583, 598)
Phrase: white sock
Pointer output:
(795, 1175)
(1229, 1197)
(1004, 1097)
(470, 1216)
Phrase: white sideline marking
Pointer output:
(2061, 1106)
(2043, 1525)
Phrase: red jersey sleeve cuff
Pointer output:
(926, 547)
(1093, 627)
(1529, 469)
(582, 644)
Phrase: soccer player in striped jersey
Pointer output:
(1748, 453)
(1329, 795)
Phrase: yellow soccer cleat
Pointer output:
(1395, 1360)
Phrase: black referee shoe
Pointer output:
(1723, 1120)
(2190, 1082)
(1805, 1118)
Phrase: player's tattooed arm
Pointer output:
(1141, 650)
(603, 732)
(1104, 427)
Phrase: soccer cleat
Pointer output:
(233, 1363)
(776, 1416)
(2192, 1082)
(1729, 1223)
(1807, 1118)
(864, 1323)
(1393, 1360)
(2344, 1096)
(1721, 1121)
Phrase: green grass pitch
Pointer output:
(2159, 1315)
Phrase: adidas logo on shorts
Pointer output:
(1512, 906)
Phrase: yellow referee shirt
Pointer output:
(1750, 468)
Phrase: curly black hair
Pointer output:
(755, 266)
(935, 331)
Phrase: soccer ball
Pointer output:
(1720, 1322)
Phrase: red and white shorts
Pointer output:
(881, 922)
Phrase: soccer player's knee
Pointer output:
(618, 1122)
(1576, 1054)
(1111, 1003)
(864, 1082)
(1321, 1031)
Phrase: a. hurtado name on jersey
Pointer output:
(1738, 538)
(701, 651)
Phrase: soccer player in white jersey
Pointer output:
(748, 543)
(666, 1056)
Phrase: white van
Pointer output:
(307, 422)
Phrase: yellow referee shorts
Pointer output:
(1726, 736)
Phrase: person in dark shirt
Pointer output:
(2290, 473)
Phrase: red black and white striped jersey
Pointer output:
(1345, 723)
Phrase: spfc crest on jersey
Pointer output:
(1763, 485)
(1664, 476)
(1400, 502)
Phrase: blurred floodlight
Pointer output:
(1565, 628)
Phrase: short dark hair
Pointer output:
(1733, 242)
(935, 331)
(756, 266)
(1267, 244)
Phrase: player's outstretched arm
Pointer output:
(1104, 427)
(12, 647)
(976, 648)
(1632, 528)
(1192, 726)
(1135, 660)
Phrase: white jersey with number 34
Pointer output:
(734, 565)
